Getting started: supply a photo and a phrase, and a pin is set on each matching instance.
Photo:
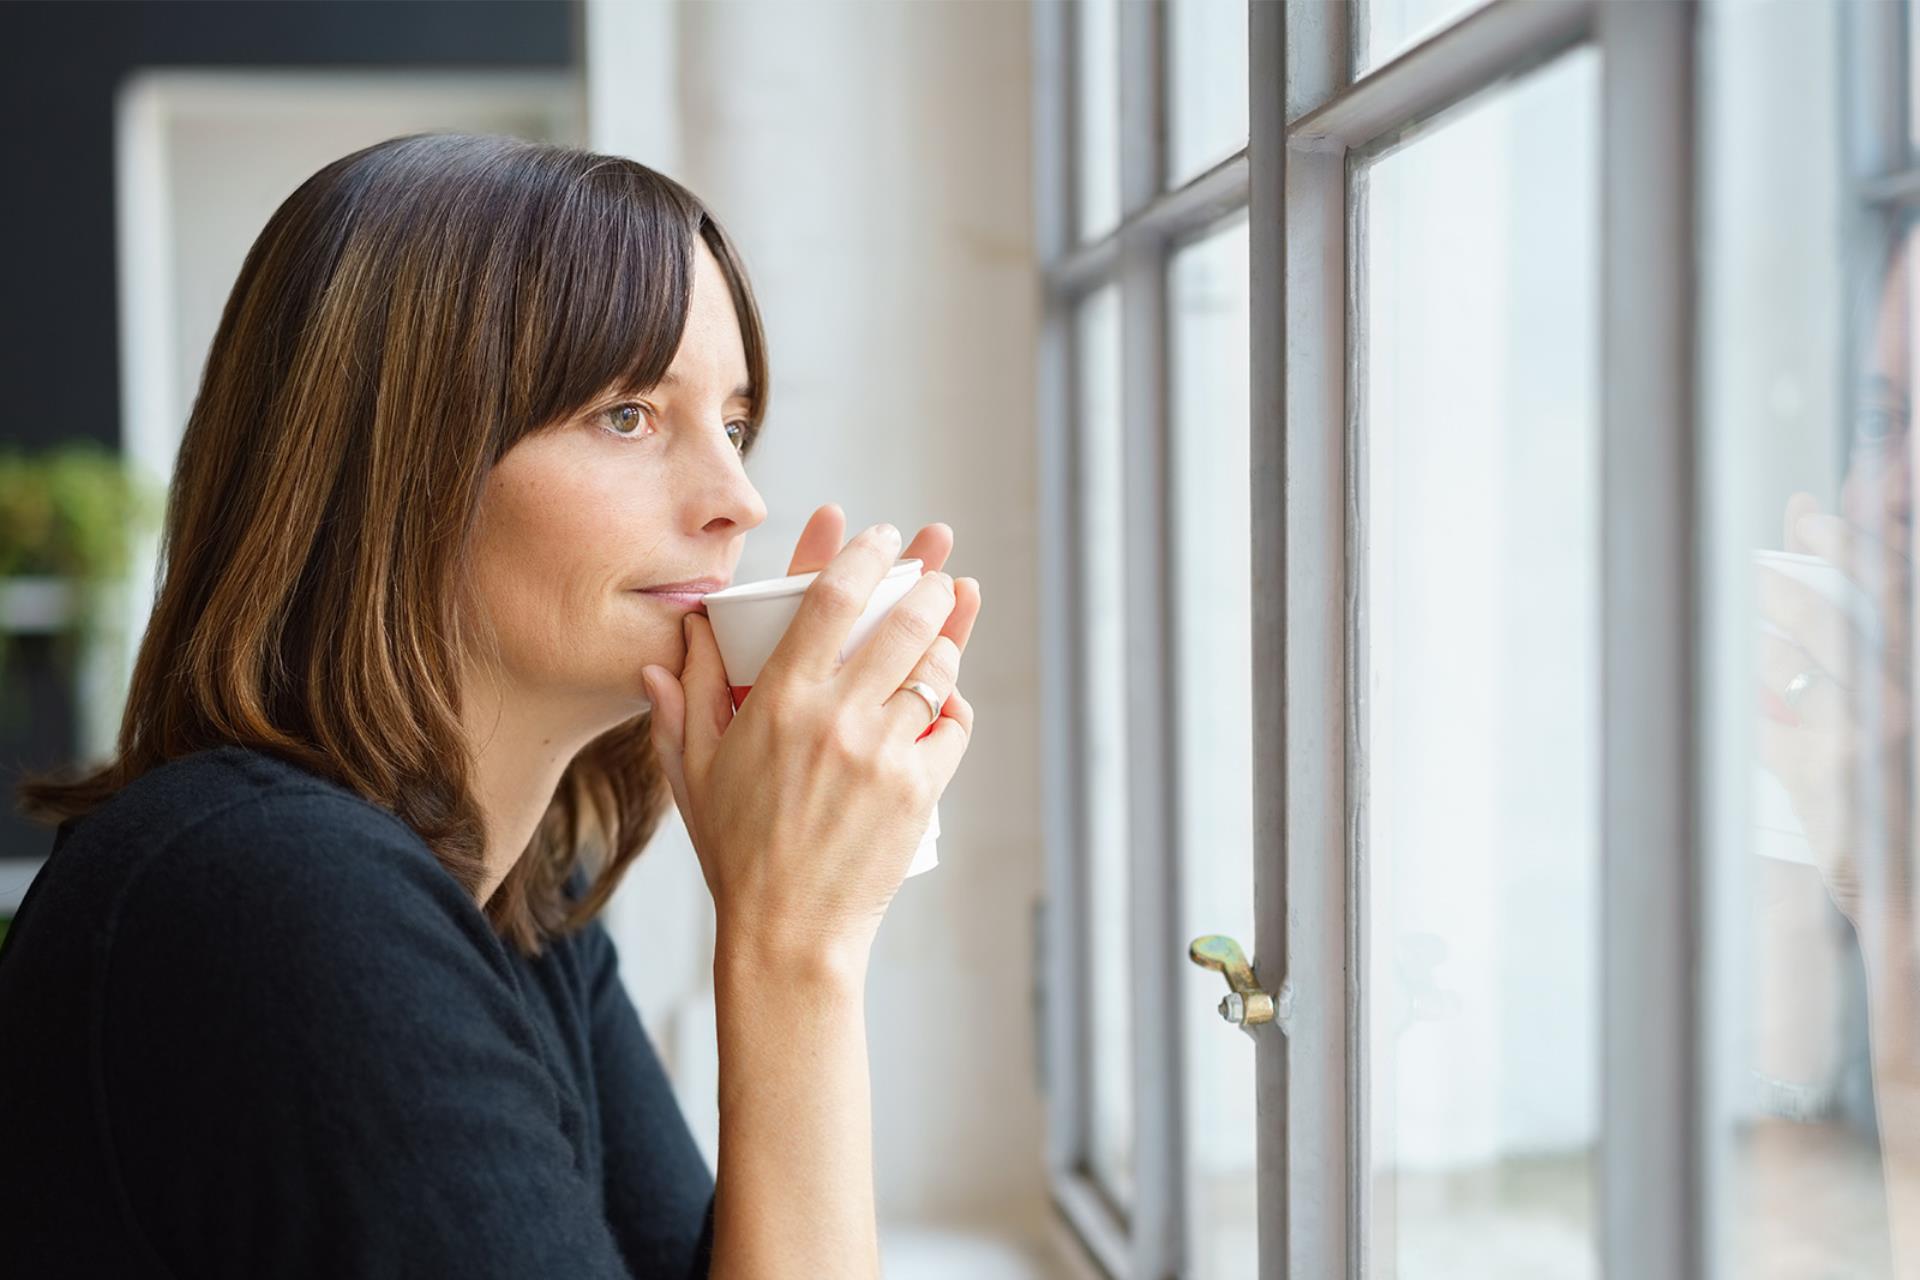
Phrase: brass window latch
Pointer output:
(1245, 1005)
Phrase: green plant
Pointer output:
(72, 512)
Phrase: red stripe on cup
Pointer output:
(935, 721)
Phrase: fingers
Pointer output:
(811, 645)
(939, 666)
(1823, 701)
(897, 645)
(1799, 505)
(709, 702)
(825, 530)
(931, 546)
(1862, 556)
(666, 729)
(1812, 621)
(943, 748)
(1883, 570)
(966, 609)
(905, 711)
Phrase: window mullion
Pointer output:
(1156, 950)
(1653, 1203)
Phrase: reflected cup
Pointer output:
(1778, 832)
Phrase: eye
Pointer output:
(613, 417)
(745, 435)
(1878, 423)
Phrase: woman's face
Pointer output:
(632, 492)
(1876, 494)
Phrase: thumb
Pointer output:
(709, 701)
(1800, 504)
(667, 729)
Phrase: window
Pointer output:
(1808, 186)
(1210, 593)
(1480, 589)
(1485, 478)
(1148, 364)
(1103, 566)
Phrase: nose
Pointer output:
(728, 498)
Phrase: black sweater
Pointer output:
(250, 1027)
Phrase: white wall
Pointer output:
(872, 161)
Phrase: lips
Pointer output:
(688, 587)
(684, 595)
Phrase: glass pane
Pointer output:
(1109, 958)
(1207, 107)
(1806, 372)
(1213, 611)
(1097, 115)
(1394, 26)
(1480, 826)
(1911, 22)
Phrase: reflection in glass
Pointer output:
(1212, 607)
(1207, 98)
(1096, 140)
(1806, 376)
(1104, 703)
(1480, 824)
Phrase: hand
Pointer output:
(1822, 749)
(806, 805)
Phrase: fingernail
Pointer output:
(1806, 529)
(888, 535)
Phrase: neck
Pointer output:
(519, 753)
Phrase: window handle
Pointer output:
(1245, 1005)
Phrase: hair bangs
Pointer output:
(606, 302)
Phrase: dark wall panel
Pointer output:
(60, 62)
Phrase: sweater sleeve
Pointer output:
(310, 1063)
(659, 1191)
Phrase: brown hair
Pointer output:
(407, 315)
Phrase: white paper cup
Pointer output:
(1778, 832)
(1831, 581)
(749, 618)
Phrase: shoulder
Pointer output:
(256, 822)
(235, 792)
(232, 856)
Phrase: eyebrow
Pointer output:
(672, 379)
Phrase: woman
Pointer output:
(1835, 724)
(313, 983)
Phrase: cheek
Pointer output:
(1873, 487)
(541, 564)
(551, 565)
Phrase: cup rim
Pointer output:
(1794, 557)
(792, 584)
